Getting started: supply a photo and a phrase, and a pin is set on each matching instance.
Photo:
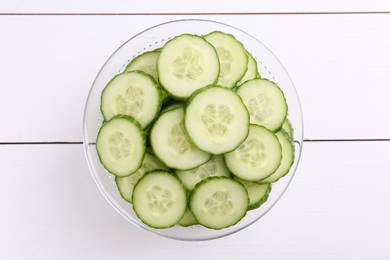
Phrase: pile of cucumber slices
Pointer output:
(193, 134)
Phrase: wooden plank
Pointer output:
(199, 6)
(335, 208)
(339, 64)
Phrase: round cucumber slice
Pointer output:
(287, 127)
(251, 73)
(287, 158)
(232, 57)
(187, 63)
(147, 62)
(258, 193)
(159, 199)
(265, 102)
(120, 145)
(218, 202)
(257, 157)
(134, 94)
(214, 167)
(126, 184)
(171, 144)
(216, 119)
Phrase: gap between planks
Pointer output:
(305, 141)
(194, 14)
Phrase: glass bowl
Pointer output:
(155, 37)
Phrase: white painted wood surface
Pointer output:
(339, 64)
(192, 6)
(337, 206)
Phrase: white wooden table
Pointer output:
(338, 55)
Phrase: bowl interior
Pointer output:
(155, 37)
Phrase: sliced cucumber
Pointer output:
(287, 158)
(214, 167)
(287, 127)
(126, 184)
(147, 62)
(197, 107)
(120, 145)
(265, 102)
(232, 57)
(187, 63)
(218, 202)
(188, 219)
(257, 157)
(132, 93)
(216, 119)
(251, 73)
(159, 199)
(171, 144)
(258, 193)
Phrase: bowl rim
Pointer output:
(156, 231)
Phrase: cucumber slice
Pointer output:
(147, 62)
(257, 157)
(265, 102)
(132, 93)
(287, 127)
(159, 199)
(218, 202)
(287, 158)
(232, 57)
(120, 145)
(188, 219)
(187, 63)
(126, 184)
(251, 73)
(258, 193)
(216, 119)
(171, 144)
(214, 167)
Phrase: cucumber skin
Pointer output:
(184, 99)
(292, 163)
(284, 98)
(207, 180)
(262, 201)
(223, 161)
(242, 45)
(155, 83)
(158, 157)
(227, 89)
(117, 178)
(289, 129)
(239, 83)
(164, 98)
(257, 181)
(138, 125)
(136, 58)
(182, 186)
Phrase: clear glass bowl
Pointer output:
(155, 37)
